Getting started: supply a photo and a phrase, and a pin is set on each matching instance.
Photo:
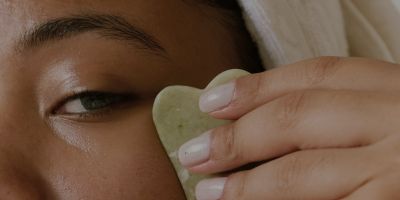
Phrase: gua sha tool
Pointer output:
(178, 119)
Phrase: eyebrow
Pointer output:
(108, 26)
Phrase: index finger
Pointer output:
(236, 98)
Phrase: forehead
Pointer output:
(23, 12)
(42, 9)
(18, 16)
(48, 6)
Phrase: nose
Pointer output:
(20, 174)
(19, 178)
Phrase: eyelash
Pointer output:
(123, 99)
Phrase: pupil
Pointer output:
(98, 101)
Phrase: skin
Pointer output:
(343, 130)
(52, 154)
(329, 133)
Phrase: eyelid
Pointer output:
(79, 94)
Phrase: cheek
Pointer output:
(125, 161)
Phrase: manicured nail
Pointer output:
(196, 151)
(217, 98)
(211, 189)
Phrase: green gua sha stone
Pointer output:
(178, 119)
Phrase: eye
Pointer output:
(87, 103)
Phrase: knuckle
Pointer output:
(321, 69)
(289, 109)
(253, 87)
(293, 170)
(225, 147)
(262, 85)
(287, 175)
(236, 187)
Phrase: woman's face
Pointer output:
(77, 83)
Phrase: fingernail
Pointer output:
(217, 98)
(211, 189)
(196, 150)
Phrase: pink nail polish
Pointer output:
(196, 150)
(217, 98)
(211, 189)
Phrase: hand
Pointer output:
(328, 127)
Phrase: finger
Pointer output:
(315, 174)
(386, 187)
(299, 121)
(386, 184)
(236, 98)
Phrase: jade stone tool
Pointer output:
(178, 119)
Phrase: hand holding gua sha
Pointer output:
(178, 119)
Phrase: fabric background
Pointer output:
(287, 31)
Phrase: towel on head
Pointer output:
(287, 31)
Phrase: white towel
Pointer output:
(287, 31)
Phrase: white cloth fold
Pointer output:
(287, 31)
